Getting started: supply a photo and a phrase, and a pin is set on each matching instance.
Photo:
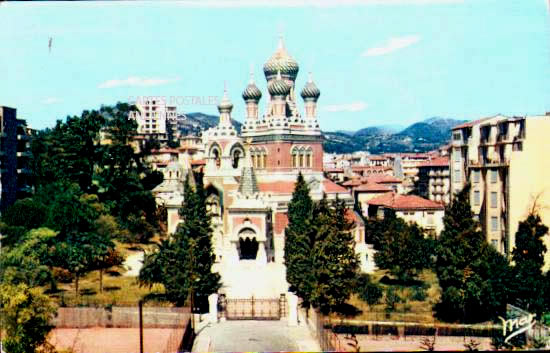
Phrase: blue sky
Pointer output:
(375, 61)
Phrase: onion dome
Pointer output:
(278, 87)
(252, 92)
(225, 105)
(281, 61)
(310, 90)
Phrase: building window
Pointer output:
(457, 176)
(517, 146)
(457, 156)
(457, 136)
(494, 176)
(493, 199)
(494, 224)
(477, 198)
(476, 176)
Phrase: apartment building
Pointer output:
(434, 180)
(155, 118)
(14, 157)
(505, 160)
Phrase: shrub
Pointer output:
(62, 275)
(419, 294)
(369, 292)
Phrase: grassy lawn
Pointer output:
(408, 310)
(117, 290)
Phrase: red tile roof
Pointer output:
(373, 187)
(281, 221)
(331, 187)
(334, 170)
(404, 202)
(436, 162)
(352, 182)
(352, 216)
(470, 123)
(280, 187)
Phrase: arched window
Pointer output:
(294, 158)
(309, 158)
(236, 153)
(264, 158)
(301, 158)
(236, 157)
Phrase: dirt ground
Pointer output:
(116, 340)
(411, 343)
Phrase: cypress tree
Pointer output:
(298, 243)
(528, 256)
(184, 263)
(335, 263)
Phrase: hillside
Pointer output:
(419, 137)
(196, 122)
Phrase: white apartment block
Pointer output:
(506, 162)
(153, 114)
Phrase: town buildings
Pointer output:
(14, 157)
(504, 161)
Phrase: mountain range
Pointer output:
(422, 136)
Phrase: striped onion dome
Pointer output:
(281, 61)
(310, 90)
(252, 92)
(278, 87)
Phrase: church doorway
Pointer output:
(248, 248)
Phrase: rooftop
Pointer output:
(405, 202)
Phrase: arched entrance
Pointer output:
(248, 245)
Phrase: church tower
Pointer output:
(283, 141)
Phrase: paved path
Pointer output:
(255, 336)
(133, 264)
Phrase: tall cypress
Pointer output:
(528, 256)
(335, 263)
(298, 243)
(184, 263)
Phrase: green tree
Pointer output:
(528, 256)
(27, 262)
(334, 261)
(299, 241)
(368, 291)
(22, 216)
(125, 180)
(184, 263)
(403, 249)
(472, 275)
(26, 317)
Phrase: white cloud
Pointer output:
(346, 107)
(392, 45)
(314, 3)
(138, 82)
(51, 100)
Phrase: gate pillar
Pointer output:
(213, 308)
(292, 309)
